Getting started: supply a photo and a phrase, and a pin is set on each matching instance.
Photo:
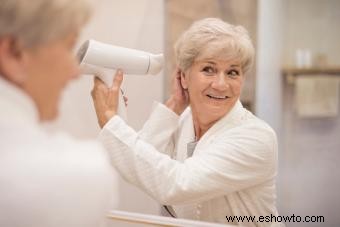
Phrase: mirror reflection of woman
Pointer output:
(201, 153)
(46, 179)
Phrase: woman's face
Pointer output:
(49, 68)
(214, 86)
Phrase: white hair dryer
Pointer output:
(102, 60)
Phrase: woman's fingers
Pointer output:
(114, 91)
(117, 80)
(106, 99)
(99, 91)
(178, 100)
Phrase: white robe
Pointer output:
(48, 180)
(232, 170)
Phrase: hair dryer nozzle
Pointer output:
(156, 63)
(83, 50)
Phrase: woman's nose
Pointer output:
(220, 82)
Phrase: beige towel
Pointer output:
(317, 95)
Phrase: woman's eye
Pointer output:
(233, 73)
(208, 69)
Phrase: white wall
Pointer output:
(132, 24)
(308, 181)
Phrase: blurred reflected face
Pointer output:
(49, 68)
(214, 86)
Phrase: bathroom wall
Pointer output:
(311, 146)
(313, 25)
(132, 24)
(308, 181)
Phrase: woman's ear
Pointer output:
(11, 61)
(184, 79)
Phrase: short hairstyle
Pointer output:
(212, 37)
(40, 21)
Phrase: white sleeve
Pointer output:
(160, 127)
(237, 159)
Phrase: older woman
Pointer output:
(212, 160)
(45, 180)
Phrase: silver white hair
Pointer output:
(39, 21)
(212, 37)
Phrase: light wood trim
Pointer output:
(290, 73)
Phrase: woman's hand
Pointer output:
(179, 98)
(106, 99)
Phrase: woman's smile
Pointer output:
(217, 97)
